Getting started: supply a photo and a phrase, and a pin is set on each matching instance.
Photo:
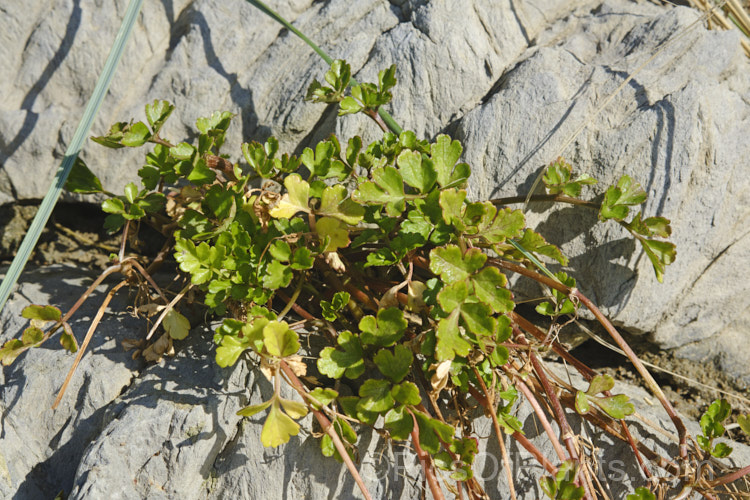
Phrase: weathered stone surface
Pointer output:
(512, 79)
(170, 430)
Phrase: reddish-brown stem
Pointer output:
(325, 424)
(520, 438)
(498, 433)
(731, 477)
(584, 370)
(424, 459)
(647, 378)
(521, 385)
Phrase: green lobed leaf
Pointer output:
(385, 330)
(489, 287)
(157, 113)
(277, 275)
(333, 233)
(11, 350)
(41, 313)
(136, 135)
(322, 396)
(419, 174)
(334, 203)
(450, 341)
(31, 336)
(506, 224)
(452, 265)
(478, 318)
(618, 406)
(744, 422)
(386, 188)
(278, 428)
(376, 395)
(348, 360)
(176, 325)
(394, 365)
(280, 340)
(68, 340)
(406, 393)
(618, 198)
(431, 431)
(445, 154)
(600, 383)
(399, 423)
(660, 253)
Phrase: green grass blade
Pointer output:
(50, 199)
(387, 118)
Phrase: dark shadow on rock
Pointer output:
(241, 97)
(29, 122)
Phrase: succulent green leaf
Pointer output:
(399, 423)
(322, 396)
(137, 135)
(452, 265)
(41, 313)
(452, 203)
(721, 450)
(334, 203)
(450, 341)
(406, 393)
(220, 201)
(349, 106)
(279, 428)
(201, 174)
(176, 325)
(394, 365)
(384, 331)
(336, 363)
(251, 410)
(32, 335)
(11, 350)
(453, 295)
(478, 318)
(280, 340)
(445, 154)
(376, 395)
(506, 224)
(386, 188)
(416, 173)
(489, 287)
(157, 113)
(660, 253)
(432, 431)
(294, 200)
(131, 192)
(600, 383)
(82, 180)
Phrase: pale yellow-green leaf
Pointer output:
(295, 409)
(176, 325)
(279, 340)
(294, 200)
(251, 410)
(334, 231)
(279, 428)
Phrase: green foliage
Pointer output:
(562, 486)
(641, 493)
(379, 248)
(712, 427)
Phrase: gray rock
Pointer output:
(512, 79)
(170, 430)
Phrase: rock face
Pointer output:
(170, 430)
(511, 79)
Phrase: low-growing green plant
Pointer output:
(374, 258)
